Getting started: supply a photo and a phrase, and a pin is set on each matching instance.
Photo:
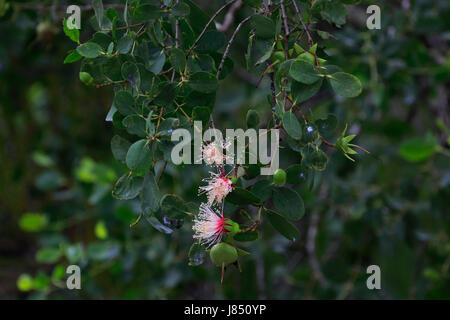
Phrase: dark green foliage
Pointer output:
(387, 208)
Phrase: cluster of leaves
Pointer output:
(165, 60)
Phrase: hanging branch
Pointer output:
(299, 14)
(286, 29)
(229, 17)
(207, 26)
(225, 54)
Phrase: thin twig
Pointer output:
(207, 25)
(162, 172)
(229, 17)
(299, 14)
(274, 97)
(177, 41)
(225, 54)
(286, 28)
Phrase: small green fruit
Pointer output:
(279, 177)
(223, 254)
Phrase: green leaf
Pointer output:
(150, 195)
(25, 282)
(146, 12)
(253, 3)
(173, 206)
(48, 255)
(103, 250)
(155, 223)
(314, 158)
(135, 124)
(198, 18)
(302, 92)
(72, 57)
(252, 119)
(334, 12)
(196, 255)
(124, 45)
(202, 114)
(295, 174)
(327, 126)
(262, 189)
(292, 126)
(100, 230)
(212, 40)
(283, 226)
(304, 72)
(243, 197)
(264, 26)
(73, 34)
(310, 133)
(345, 85)
(157, 62)
(90, 50)
(130, 72)
(138, 158)
(167, 126)
(74, 253)
(33, 222)
(181, 9)
(289, 203)
(124, 102)
(261, 51)
(203, 82)
(127, 187)
(119, 148)
(241, 252)
(246, 236)
(125, 214)
(98, 8)
(418, 149)
(177, 59)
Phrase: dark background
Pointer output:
(390, 208)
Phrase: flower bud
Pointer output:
(232, 227)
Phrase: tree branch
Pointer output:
(225, 54)
(207, 25)
(299, 14)
(229, 17)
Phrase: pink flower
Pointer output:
(213, 153)
(217, 189)
(209, 226)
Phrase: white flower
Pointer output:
(213, 153)
(217, 189)
(209, 226)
